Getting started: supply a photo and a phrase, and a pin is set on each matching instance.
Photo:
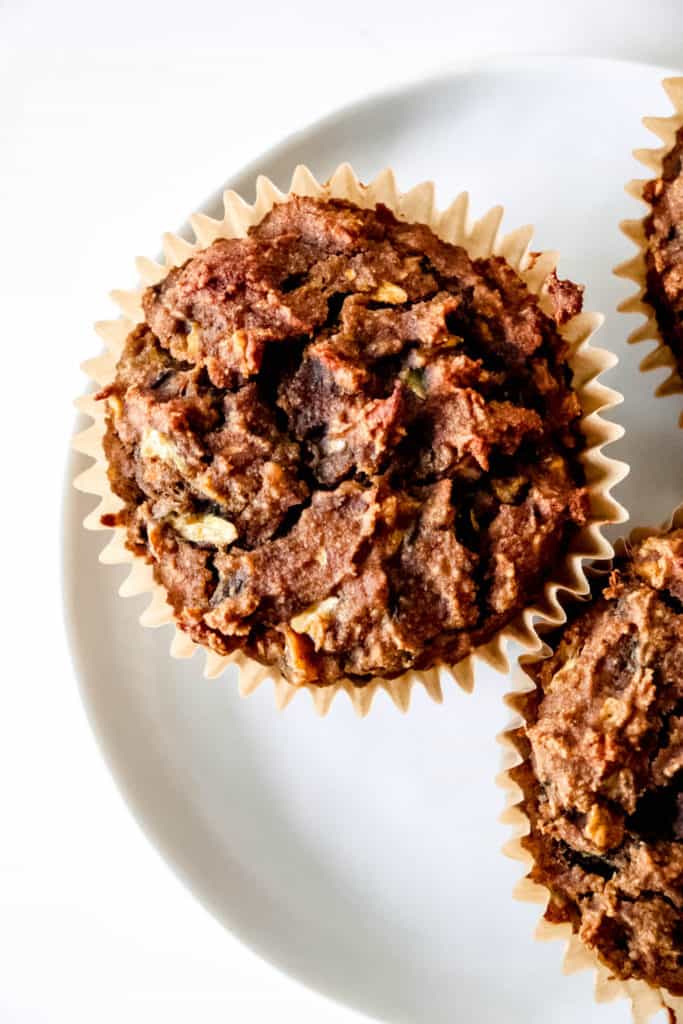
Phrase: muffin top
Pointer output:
(603, 782)
(347, 448)
(664, 254)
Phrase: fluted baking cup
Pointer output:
(660, 356)
(481, 239)
(645, 999)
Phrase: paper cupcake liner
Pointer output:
(645, 999)
(661, 356)
(480, 239)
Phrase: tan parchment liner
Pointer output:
(660, 356)
(480, 239)
(645, 1000)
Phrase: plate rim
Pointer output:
(488, 64)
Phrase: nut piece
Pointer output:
(116, 406)
(204, 529)
(315, 619)
(414, 379)
(240, 341)
(603, 828)
(204, 485)
(506, 489)
(391, 293)
(614, 712)
(158, 446)
(332, 445)
(193, 339)
(296, 654)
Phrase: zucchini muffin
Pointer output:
(664, 249)
(602, 778)
(347, 448)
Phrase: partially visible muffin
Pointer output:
(602, 778)
(664, 251)
(347, 448)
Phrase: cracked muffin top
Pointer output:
(602, 781)
(347, 448)
(664, 253)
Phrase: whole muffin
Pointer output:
(664, 249)
(347, 448)
(602, 778)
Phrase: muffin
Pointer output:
(664, 249)
(602, 770)
(347, 440)
(347, 448)
(657, 269)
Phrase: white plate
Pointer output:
(363, 857)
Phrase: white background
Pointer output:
(121, 118)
